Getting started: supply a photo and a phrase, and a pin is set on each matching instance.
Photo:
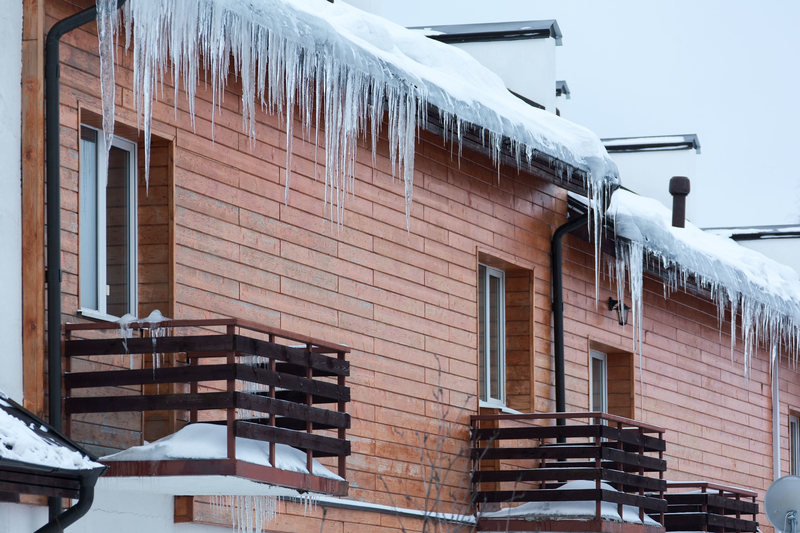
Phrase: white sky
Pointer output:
(726, 70)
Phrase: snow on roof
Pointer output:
(348, 65)
(209, 441)
(494, 31)
(30, 443)
(767, 292)
(572, 510)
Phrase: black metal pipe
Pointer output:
(679, 188)
(558, 310)
(53, 175)
(58, 523)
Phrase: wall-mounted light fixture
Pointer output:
(621, 309)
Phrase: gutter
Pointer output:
(558, 310)
(53, 273)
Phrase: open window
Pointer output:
(108, 222)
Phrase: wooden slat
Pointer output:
(533, 432)
(296, 370)
(627, 422)
(566, 474)
(563, 452)
(712, 500)
(295, 356)
(155, 402)
(197, 343)
(295, 383)
(264, 404)
(695, 522)
(556, 495)
(296, 439)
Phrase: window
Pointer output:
(107, 212)
(598, 382)
(491, 335)
(794, 445)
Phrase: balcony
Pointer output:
(706, 506)
(258, 383)
(589, 474)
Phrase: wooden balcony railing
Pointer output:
(526, 458)
(226, 366)
(706, 506)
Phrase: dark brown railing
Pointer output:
(706, 506)
(276, 388)
(525, 458)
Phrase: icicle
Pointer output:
(106, 28)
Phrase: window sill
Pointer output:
(494, 405)
(97, 315)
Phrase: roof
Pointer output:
(493, 31)
(652, 144)
(562, 89)
(386, 67)
(753, 233)
(28, 443)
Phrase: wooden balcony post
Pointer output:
(598, 463)
(231, 411)
(193, 387)
(272, 458)
(309, 425)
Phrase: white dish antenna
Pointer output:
(782, 504)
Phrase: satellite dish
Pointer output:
(782, 504)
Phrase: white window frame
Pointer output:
(598, 356)
(794, 445)
(101, 181)
(484, 358)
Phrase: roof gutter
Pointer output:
(60, 522)
(558, 310)
(53, 273)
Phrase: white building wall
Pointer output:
(528, 67)
(648, 174)
(16, 518)
(11, 198)
(785, 251)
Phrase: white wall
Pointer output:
(648, 174)
(528, 67)
(785, 251)
(11, 198)
(15, 518)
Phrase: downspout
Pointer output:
(53, 173)
(558, 310)
(59, 523)
(776, 419)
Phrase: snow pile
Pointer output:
(19, 442)
(209, 441)
(572, 510)
(766, 292)
(343, 68)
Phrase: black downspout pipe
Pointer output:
(558, 311)
(53, 173)
(60, 522)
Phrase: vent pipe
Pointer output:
(679, 188)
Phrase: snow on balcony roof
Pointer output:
(351, 67)
(24, 439)
(752, 233)
(767, 292)
(209, 441)
(571, 510)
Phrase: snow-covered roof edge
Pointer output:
(347, 65)
(766, 292)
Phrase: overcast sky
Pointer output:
(728, 71)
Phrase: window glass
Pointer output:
(599, 383)
(117, 231)
(88, 219)
(794, 445)
(491, 334)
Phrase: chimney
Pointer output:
(679, 187)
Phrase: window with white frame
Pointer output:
(794, 446)
(598, 382)
(491, 336)
(107, 242)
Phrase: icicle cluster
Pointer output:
(153, 325)
(764, 293)
(249, 514)
(250, 387)
(345, 69)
